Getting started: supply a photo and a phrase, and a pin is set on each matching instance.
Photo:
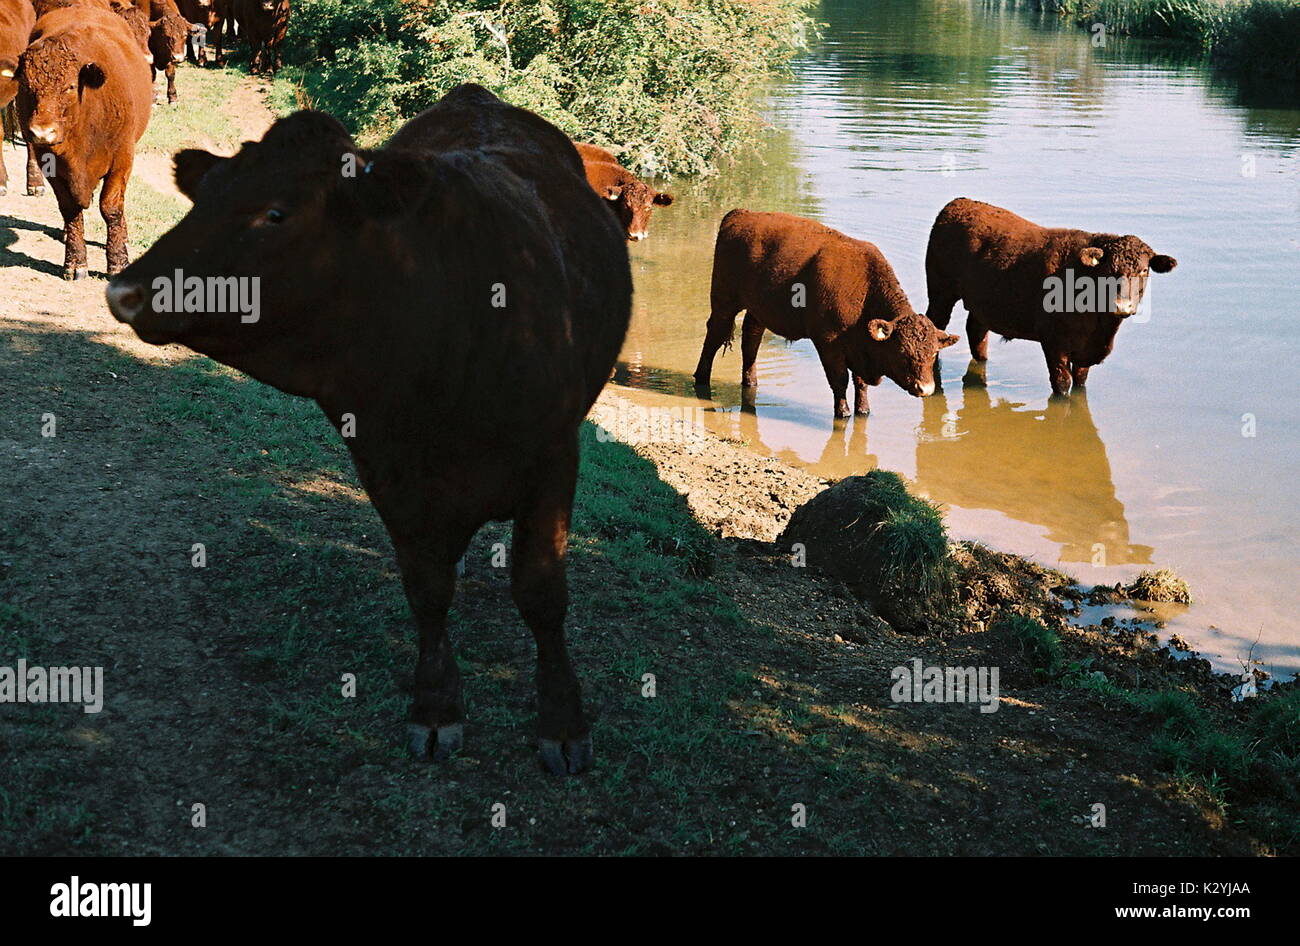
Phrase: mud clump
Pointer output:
(1161, 585)
(891, 549)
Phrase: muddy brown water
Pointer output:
(905, 104)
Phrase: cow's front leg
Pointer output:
(1080, 374)
(436, 724)
(1058, 370)
(35, 179)
(74, 233)
(860, 406)
(538, 583)
(837, 376)
(112, 205)
(170, 72)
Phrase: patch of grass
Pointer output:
(1160, 585)
(1275, 723)
(1039, 643)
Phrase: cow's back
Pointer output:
(534, 206)
(762, 259)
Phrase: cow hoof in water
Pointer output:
(449, 740)
(568, 757)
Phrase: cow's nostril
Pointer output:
(125, 301)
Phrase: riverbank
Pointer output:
(1260, 37)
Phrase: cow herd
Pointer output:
(77, 77)
(456, 299)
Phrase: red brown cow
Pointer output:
(631, 199)
(208, 19)
(469, 245)
(800, 279)
(264, 23)
(83, 98)
(1069, 290)
(16, 21)
(169, 34)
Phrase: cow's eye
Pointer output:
(270, 216)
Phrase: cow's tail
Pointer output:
(9, 123)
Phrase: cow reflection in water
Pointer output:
(845, 451)
(1046, 467)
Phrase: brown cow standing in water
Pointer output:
(84, 97)
(631, 199)
(800, 279)
(1069, 290)
(467, 248)
(16, 21)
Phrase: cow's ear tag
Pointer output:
(370, 166)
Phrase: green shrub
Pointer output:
(668, 83)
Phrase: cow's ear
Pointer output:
(613, 192)
(1090, 255)
(1162, 264)
(879, 329)
(190, 166)
(945, 339)
(91, 76)
(663, 200)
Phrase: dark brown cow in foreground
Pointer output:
(208, 19)
(800, 279)
(467, 248)
(1069, 290)
(631, 199)
(84, 97)
(16, 21)
(263, 23)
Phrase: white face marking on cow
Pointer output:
(45, 134)
(927, 389)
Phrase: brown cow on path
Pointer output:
(208, 19)
(1069, 290)
(84, 97)
(800, 279)
(16, 21)
(631, 199)
(469, 245)
(264, 23)
(169, 34)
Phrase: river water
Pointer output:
(1183, 451)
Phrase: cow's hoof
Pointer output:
(448, 740)
(36, 192)
(862, 413)
(567, 757)
(74, 275)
